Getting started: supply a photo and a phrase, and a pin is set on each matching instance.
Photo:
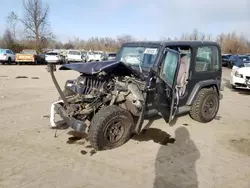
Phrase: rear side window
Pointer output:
(207, 59)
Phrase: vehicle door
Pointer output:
(167, 98)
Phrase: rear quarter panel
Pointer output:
(198, 80)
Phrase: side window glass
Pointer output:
(169, 67)
(8, 52)
(207, 59)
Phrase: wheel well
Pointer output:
(197, 88)
(213, 86)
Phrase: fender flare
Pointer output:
(215, 84)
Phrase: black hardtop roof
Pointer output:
(191, 43)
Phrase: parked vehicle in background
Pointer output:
(53, 57)
(84, 56)
(93, 56)
(7, 56)
(225, 59)
(73, 56)
(42, 58)
(104, 56)
(111, 56)
(240, 75)
(244, 58)
(27, 56)
(233, 60)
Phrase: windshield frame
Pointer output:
(142, 45)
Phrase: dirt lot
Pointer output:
(212, 155)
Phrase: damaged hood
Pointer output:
(92, 68)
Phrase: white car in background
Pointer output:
(93, 56)
(73, 56)
(111, 56)
(240, 76)
(52, 57)
(7, 56)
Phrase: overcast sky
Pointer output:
(140, 18)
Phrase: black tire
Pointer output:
(233, 86)
(199, 110)
(104, 122)
(9, 61)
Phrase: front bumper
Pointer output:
(75, 124)
(57, 108)
(25, 60)
(3, 59)
(240, 82)
(52, 60)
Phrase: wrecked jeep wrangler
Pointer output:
(110, 99)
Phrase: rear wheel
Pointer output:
(110, 128)
(205, 106)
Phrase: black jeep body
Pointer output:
(110, 99)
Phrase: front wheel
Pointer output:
(110, 128)
(205, 106)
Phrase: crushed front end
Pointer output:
(84, 97)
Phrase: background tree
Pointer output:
(8, 39)
(233, 44)
(35, 22)
(12, 24)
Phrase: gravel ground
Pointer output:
(212, 155)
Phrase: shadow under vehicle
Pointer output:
(110, 99)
